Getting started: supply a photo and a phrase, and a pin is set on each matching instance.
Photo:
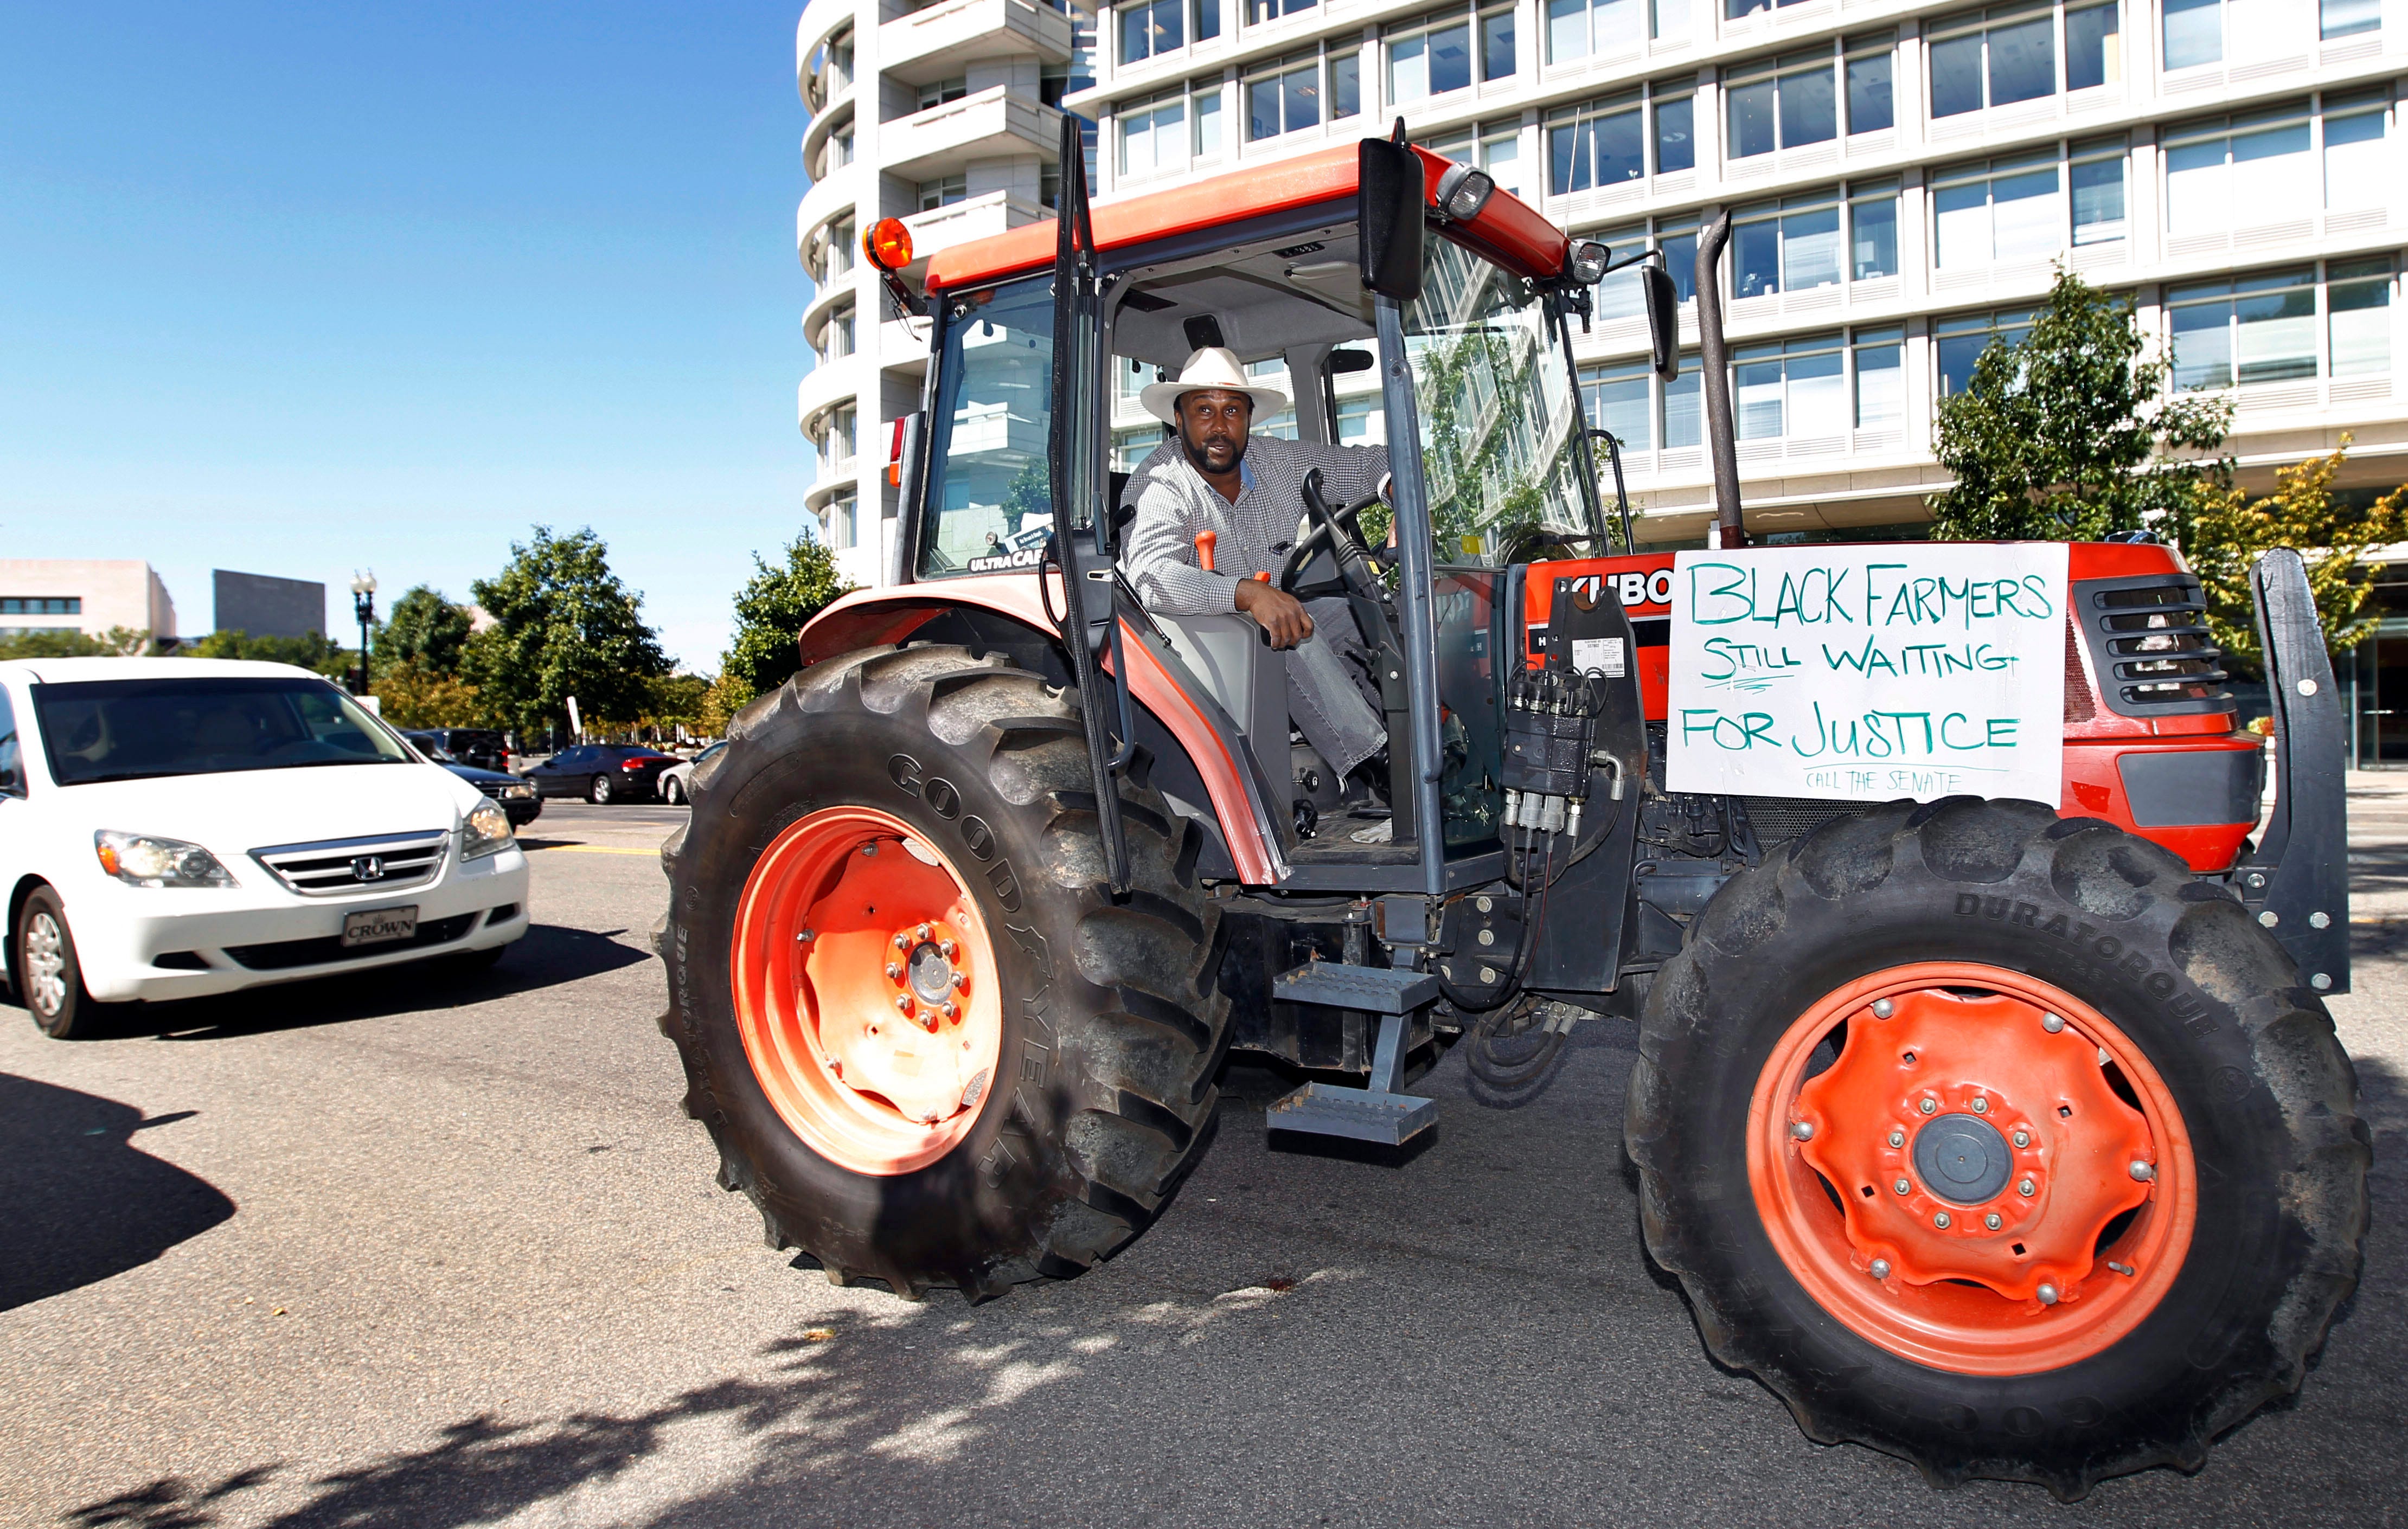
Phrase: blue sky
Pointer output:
(300, 289)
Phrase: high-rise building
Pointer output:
(1904, 178)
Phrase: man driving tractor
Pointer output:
(1218, 509)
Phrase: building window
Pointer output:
(1271, 10)
(1793, 388)
(842, 251)
(1878, 360)
(1432, 55)
(1360, 421)
(2012, 58)
(1866, 63)
(1999, 209)
(840, 515)
(836, 440)
(1345, 83)
(1676, 130)
(1786, 246)
(1784, 105)
(2358, 297)
(944, 192)
(1287, 99)
(1606, 142)
(1131, 446)
(41, 605)
(2094, 173)
(2347, 18)
(2252, 167)
(1578, 29)
(1618, 295)
(2263, 328)
(837, 336)
(1620, 399)
(1680, 408)
(839, 150)
(2093, 46)
(937, 91)
(1206, 17)
(2200, 32)
(1164, 132)
(1872, 229)
(2356, 174)
(1500, 155)
(1152, 27)
(1957, 343)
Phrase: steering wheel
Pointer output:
(1341, 532)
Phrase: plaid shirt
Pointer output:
(1174, 503)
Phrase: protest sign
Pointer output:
(1869, 672)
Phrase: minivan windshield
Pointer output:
(135, 729)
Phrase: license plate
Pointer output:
(379, 925)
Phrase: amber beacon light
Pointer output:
(888, 244)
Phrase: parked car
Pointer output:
(175, 827)
(601, 772)
(479, 748)
(517, 797)
(677, 781)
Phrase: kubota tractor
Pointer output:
(2008, 1136)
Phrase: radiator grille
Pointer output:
(1778, 819)
(380, 862)
(2148, 644)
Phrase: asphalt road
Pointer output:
(431, 1250)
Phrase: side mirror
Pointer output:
(1388, 195)
(1663, 318)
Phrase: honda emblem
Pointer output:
(368, 868)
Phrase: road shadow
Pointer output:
(547, 956)
(78, 1201)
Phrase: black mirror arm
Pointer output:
(1621, 494)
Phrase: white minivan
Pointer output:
(171, 827)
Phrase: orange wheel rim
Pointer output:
(866, 991)
(1990, 1178)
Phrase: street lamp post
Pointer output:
(364, 605)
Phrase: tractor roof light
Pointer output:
(1585, 262)
(888, 244)
(1462, 192)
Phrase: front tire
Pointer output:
(1910, 1023)
(49, 979)
(1055, 1095)
(672, 791)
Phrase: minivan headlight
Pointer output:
(145, 860)
(485, 831)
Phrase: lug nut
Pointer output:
(2047, 1295)
(1928, 1106)
(945, 947)
(803, 938)
(961, 980)
(923, 931)
(952, 1010)
(902, 942)
(903, 1002)
(893, 972)
(2143, 1172)
(1880, 1268)
(1901, 1186)
(1802, 1130)
(2023, 1139)
(1884, 1009)
(1981, 1106)
(1940, 1220)
(2026, 1188)
(1898, 1136)
(2051, 1024)
(1991, 1221)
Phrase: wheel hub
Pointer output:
(1962, 1158)
(1967, 1140)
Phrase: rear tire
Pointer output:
(2239, 1096)
(49, 979)
(672, 791)
(1108, 1032)
(601, 792)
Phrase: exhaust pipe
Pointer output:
(1713, 362)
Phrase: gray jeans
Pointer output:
(1329, 693)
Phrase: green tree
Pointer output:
(2070, 434)
(2223, 540)
(423, 629)
(770, 610)
(409, 694)
(564, 625)
(117, 642)
(311, 650)
(728, 694)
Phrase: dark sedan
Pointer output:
(517, 798)
(601, 772)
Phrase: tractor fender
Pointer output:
(1157, 683)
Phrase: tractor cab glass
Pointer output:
(989, 503)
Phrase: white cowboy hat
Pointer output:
(1213, 366)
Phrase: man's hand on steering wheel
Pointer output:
(1280, 614)
(1341, 533)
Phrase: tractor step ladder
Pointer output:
(1384, 1112)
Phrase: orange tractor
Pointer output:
(2008, 1136)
